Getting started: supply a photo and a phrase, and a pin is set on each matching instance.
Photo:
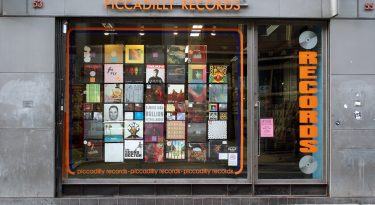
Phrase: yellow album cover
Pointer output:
(134, 54)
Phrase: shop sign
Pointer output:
(166, 5)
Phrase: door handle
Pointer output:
(257, 105)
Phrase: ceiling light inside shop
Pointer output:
(194, 34)
(141, 34)
(175, 33)
(213, 34)
(106, 34)
(198, 26)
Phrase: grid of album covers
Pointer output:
(154, 103)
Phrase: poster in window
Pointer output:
(218, 93)
(134, 54)
(133, 93)
(154, 132)
(113, 93)
(197, 73)
(93, 54)
(217, 129)
(197, 132)
(218, 74)
(154, 152)
(113, 152)
(197, 152)
(93, 150)
(197, 93)
(176, 93)
(93, 73)
(155, 73)
(175, 149)
(133, 149)
(175, 129)
(176, 54)
(197, 54)
(133, 129)
(154, 113)
(113, 53)
(113, 73)
(93, 129)
(113, 112)
(155, 54)
(92, 93)
(154, 93)
(176, 74)
(218, 150)
(134, 73)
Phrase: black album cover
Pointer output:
(93, 73)
(155, 54)
(176, 74)
(134, 73)
(154, 93)
(197, 132)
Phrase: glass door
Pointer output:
(289, 118)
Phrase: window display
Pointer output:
(161, 101)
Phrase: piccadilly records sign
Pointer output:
(166, 5)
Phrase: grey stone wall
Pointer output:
(27, 105)
(352, 91)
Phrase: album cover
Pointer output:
(113, 73)
(113, 138)
(213, 116)
(197, 93)
(154, 93)
(133, 149)
(154, 132)
(93, 150)
(171, 116)
(197, 107)
(113, 53)
(175, 149)
(129, 115)
(113, 112)
(176, 74)
(93, 129)
(197, 73)
(176, 107)
(197, 54)
(197, 152)
(113, 129)
(175, 129)
(138, 107)
(176, 93)
(87, 115)
(154, 113)
(197, 132)
(93, 54)
(88, 107)
(133, 93)
(154, 152)
(218, 74)
(176, 54)
(155, 73)
(218, 150)
(155, 54)
(223, 116)
(181, 116)
(98, 116)
(197, 112)
(93, 73)
(113, 93)
(217, 129)
(133, 129)
(134, 73)
(113, 152)
(139, 116)
(213, 107)
(223, 107)
(218, 93)
(134, 54)
(92, 93)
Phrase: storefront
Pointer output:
(181, 97)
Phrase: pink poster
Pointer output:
(266, 127)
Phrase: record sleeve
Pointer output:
(155, 74)
(197, 93)
(218, 93)
(197, 152)
(176, 74)
(133, 129)
(175, 149)
(133, 149)
(134, 54)
(218, 150)
(113, 53)
(154, 152)
(93, 129)
(92, 54)
(113, 93)
(134, 73)
(176, 93)
(113, 73)
(154, 93)
(175, 129)
(134, 93)
(113, 152)
(217, 129)
(197, 132)
(93, 93)
(93, 150)
(111, 129)
(113, 112)
(154, 113)
(197, 73)
(197, 54)
(93, 73)
(176, 54)
(154, 132)
(155, 54)
(218, 74)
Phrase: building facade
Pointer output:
(187, 97)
